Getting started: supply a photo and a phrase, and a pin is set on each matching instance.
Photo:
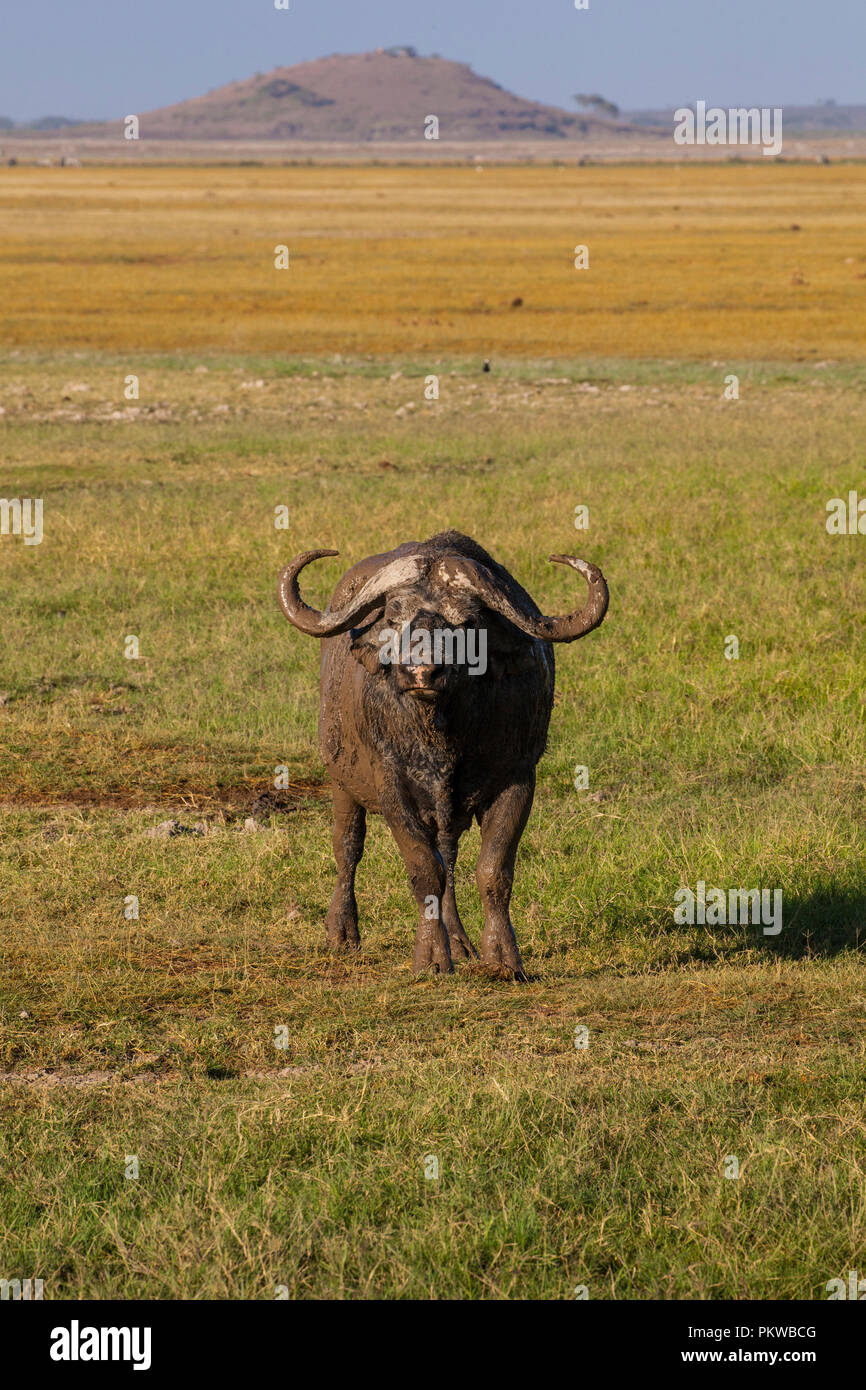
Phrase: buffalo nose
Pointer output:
(421, 675)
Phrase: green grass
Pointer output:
(304, 1167)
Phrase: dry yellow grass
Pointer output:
(762, 260)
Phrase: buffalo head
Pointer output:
(422, 620)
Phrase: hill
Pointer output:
(385, 96)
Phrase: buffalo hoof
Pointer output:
(461, 946)
(342, 948)
(343, 936)
(433, 968)
(502, 958)
(489, 971)
(432, 957)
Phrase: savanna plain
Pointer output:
(152, 777)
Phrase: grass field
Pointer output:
(696, 261)
(154, 1037)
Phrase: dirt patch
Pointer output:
(245, 798)
(43, 1079)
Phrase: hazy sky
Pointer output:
(93, 58)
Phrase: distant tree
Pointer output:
(597, 103)
(53, 123)
(6, 123)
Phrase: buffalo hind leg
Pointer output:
(502, 825)
(350, 828)
(461, 946)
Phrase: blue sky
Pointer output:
(94, 58)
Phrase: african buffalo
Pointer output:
(429, 738)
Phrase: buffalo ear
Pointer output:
(364, 649)
(508, 651)
(368, 655)
(503, 637)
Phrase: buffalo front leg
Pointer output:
(350, 828)
(502, 825)
(461, 946)
(427, 880)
